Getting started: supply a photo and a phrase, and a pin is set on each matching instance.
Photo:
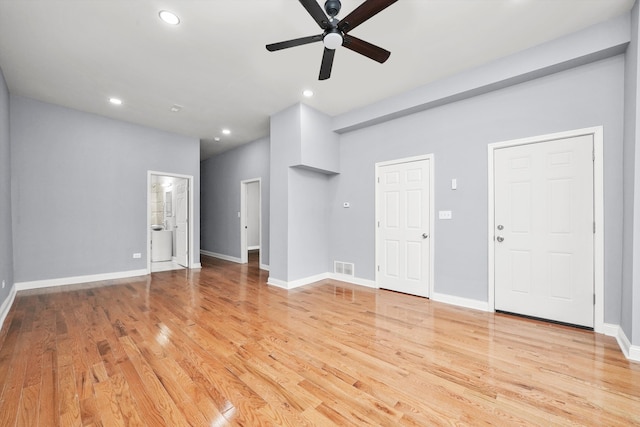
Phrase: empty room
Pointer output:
(319, 212)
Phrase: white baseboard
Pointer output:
(228, 258)
(277, 283)
(195, 265)
(63, 281)
(610, 330)
(353, 280)
(253, 248)
(6, 305)
(631, 352)
(316, 278)
(460, 301)
(634, 353)
(297, 283)
(221, 256)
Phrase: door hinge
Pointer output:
(378, 180)
(378, 224)
(594, 299)
(594, 227)
(593, 155)
(378, 268)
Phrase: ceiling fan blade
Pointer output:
(327, 63)
(292, 43)
(363, 12)
(365, 48)
(316, 12)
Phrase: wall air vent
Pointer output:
(344, 268)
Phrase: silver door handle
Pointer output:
(500, 239)
(425, 235)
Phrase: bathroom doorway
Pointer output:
(169, 215)
(250, 220)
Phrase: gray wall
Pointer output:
(285, 149)
(220, 197)
(631, 242)
(319, 147)
(6, 246)
(458, 134)
(302, 147)
(308, 224)
(80, 189)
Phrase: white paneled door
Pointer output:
(544, 230)
(182, 215)
(403, 247)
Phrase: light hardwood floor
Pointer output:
(219, 347)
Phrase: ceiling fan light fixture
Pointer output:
(332, 40)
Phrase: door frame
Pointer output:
(431, 232)
(244, 250)
(190, 216)
(598, 212)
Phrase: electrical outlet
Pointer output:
(137, 255)
(445, 215)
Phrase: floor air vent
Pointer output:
(345, 268)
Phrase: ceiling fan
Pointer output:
(335, 31)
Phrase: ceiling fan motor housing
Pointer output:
(332, 7)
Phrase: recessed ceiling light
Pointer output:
(226, 131)
(308, 93)
(175, 108)
(115, 101)
(169, 17)
(216, 139)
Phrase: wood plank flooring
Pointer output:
(219, 347)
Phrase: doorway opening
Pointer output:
(251, 220)
(169, 219)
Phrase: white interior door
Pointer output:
(253, 215)
(403, 247)
(182, 223)
(544, 236)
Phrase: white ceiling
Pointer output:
(78, 53)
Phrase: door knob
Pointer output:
(500, 239)
(500, 227)
(425, 235)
